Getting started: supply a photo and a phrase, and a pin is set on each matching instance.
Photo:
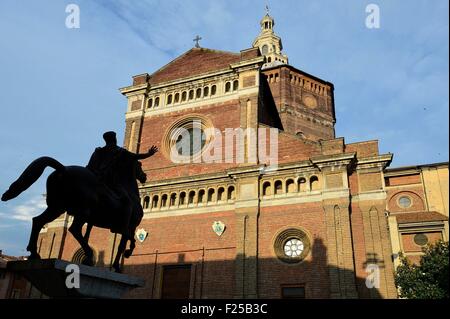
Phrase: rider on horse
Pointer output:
(103, 163)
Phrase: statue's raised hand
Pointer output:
(152, 150)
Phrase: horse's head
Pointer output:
(140, 174)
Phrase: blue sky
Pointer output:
(59, 86)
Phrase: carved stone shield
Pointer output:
(218, 227)
(141, 234)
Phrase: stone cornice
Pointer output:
(369, 196)
(410, 171)
(335, 160)
(252, 62)
(187, 180)
(135, 89)
(231, 174)
(246, 63)
(420, 225)
(378, 161)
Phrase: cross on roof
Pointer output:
(197, 38)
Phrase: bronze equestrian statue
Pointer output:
(103, 194)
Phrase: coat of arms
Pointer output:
(218, 227)
(141, 234)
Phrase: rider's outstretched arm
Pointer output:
(150, 152)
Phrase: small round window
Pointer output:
(421, 239)
(404, 201)
(292, 245)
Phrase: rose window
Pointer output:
(293, 247)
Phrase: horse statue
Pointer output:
(79, 192)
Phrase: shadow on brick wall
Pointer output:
(246, 277)
(191, 275)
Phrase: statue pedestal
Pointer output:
(49, 276)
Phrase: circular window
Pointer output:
(292, 245)
(404, 201)
(189, 140)
(310, 101)
(421, 239)
(186, 139)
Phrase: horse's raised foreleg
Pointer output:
(47, 216)
(120, 250)
(76, 231)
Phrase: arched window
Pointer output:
(150, 103)
(265, 49)
(278, 188)
(157, 102)
(290, 186)
(220, 193)
(267, 190)
(235, 85)
(146, 202)
(206, 91)
(213, 90)
(277, 77)
(183, 96)
(155, 201)
(269, 59)
(300, 134)
(191, 94)
(211, 192)
(173, 199)
(164, 200)
(177, 98)
(227, 87)
(302, 184)
(198, 94)
(191, 197)
(169, 99)
(231, 193)
(201, 195)
(314, 183)
(182, 198)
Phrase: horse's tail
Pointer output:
(31, 175)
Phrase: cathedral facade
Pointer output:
(298, 213)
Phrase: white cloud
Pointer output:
(26, 210)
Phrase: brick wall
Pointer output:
(410, 246)
(416, 195)
(313, 271)
(403, 180)
(297, 114)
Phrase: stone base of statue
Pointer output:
(60, 279)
